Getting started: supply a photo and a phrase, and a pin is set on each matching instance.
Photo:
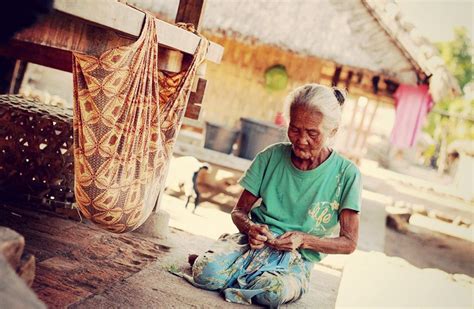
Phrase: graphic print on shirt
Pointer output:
(324, 215)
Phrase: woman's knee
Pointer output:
(278, 290)
(273, 294)
(270, 298)
(208, 273)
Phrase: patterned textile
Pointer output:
(267, 277)
(126, 117)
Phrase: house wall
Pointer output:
(236, 86)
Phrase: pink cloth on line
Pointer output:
(412, 104)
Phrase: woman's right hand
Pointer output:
(258, 234)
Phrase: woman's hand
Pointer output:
(258, 234)
(287, 242)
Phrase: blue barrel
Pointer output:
(256, 135)
(220, 138)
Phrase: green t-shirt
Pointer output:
(295, 200)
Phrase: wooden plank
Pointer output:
(52, 40)
(212, 156)
(59, 59)
(191, 11)
(127, 20)
(442, 227)
(110, 14)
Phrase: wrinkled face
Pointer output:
(305, 132)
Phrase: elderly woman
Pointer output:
(307, 190)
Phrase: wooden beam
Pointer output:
(59, 59)
(51, 42)
(191, 11)
(129, 21)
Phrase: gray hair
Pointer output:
(326, 100)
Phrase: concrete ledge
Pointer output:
(377, 281)
(156, 225)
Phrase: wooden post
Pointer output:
(17, 76)
(369, 127)
(336, 76)
(191, 11)
(361, 126)
(11, 74)
(7, 68)
(348, 144)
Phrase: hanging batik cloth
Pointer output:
(126, 117)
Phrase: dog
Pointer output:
(183, 174)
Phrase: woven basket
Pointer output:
(36, 153)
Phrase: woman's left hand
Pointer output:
(287, 242)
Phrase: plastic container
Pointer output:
(257, 135)
(220, 138)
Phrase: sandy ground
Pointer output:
(81, 266)
(155, 287)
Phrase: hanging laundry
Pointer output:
(126, 117)
(412, 104)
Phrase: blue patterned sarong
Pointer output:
(266, 276)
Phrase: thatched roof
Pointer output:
(369, 34)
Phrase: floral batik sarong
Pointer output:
(266, 276)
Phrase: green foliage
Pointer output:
(450, 120)
(454, 127)
(172, 268)
(458, 56)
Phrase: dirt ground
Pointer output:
(81, 266)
